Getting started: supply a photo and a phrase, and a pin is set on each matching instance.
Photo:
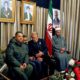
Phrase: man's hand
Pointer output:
(31, 58)
(21, 67)
(39, 54)
(62, 50)
(40, 59)
(24, 65)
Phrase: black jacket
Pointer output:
(35, 47)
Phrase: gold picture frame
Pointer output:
(28, 12)
(7, 10)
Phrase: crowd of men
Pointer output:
(28, 60)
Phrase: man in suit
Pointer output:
(27, 14)
(17, 57)
(38, 51)
(6, 11)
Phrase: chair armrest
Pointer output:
(3, 67)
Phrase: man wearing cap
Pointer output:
(59, 48)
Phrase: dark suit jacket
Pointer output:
(34, 47)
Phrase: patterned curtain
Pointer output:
(70, 16)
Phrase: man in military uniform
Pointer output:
(59, 49)
(17, 57)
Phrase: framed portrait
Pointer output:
(7, 8)
(28, 12)
(56, 18)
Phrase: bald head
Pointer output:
(34, 36)
(34, 33)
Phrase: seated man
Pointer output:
(25, 39)
(17, 58)
(34, 75)
(59, 48)
(37, 52)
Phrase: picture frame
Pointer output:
(28, 12)
(7, 10)
(56, 18)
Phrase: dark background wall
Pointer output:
(45, 3)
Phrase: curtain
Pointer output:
(7, 30)
(70, 16)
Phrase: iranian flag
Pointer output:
(48, 34)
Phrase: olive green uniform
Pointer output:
(17, 54)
